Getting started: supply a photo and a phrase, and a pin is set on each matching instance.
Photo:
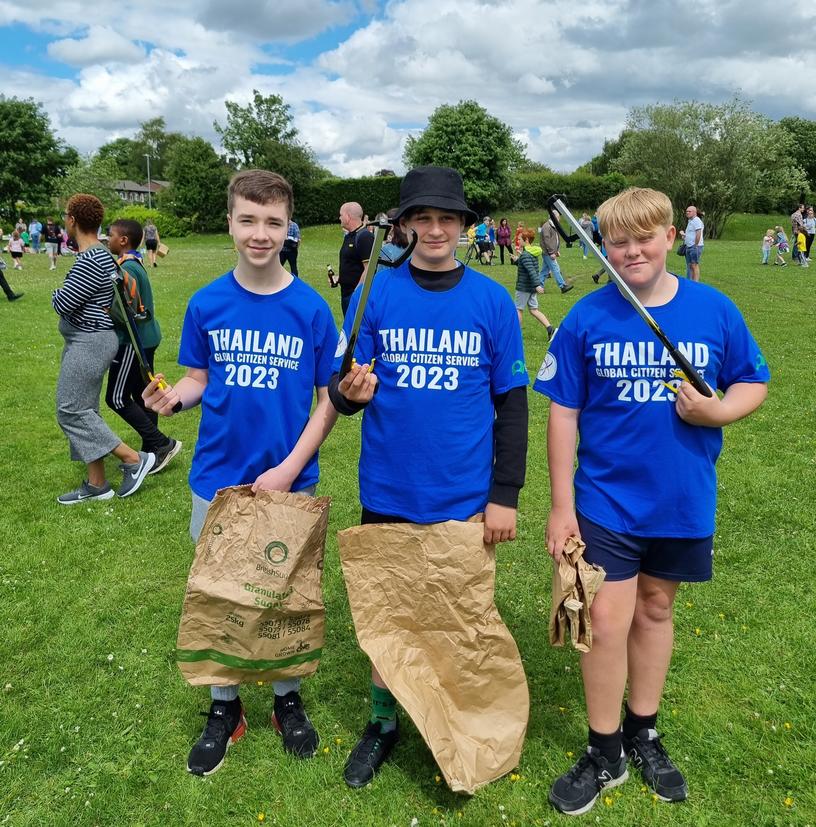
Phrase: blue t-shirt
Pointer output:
(481, 232)
(641, 469)
(265, 355)
(442, 357)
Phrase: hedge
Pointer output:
(320, 203)
(530, 190)
(169, 226)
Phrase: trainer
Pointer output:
(355, 251)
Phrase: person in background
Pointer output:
(529, 284)
(781, 245)
(693, 239)
(518, 240)
(587, 227)
(16, 247)
(810, 230)
(152, 239)
(35, 231)
(354, 252)
(289, 252)
(767, 244)
(52, 233)
(550, 251)
(503, 240)
(4, 285)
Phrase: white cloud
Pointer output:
(562, 75)
(100, 45)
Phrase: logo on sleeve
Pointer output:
(518, 367)
(548, 368)
(342, 344)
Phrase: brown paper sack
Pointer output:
(574, 586)
(254, 606)
(422, 602)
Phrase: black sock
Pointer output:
(632, 724)
(609, 745)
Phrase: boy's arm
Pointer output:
(188, 390)
(510, 447)
(739, 400)
(281, 477)
(562, 438)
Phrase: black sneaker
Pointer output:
(596, 277)
(15, 297)
(164, 455)
(577, 790)
(225, 725)
(567, 287)
(649, 755)
(369, 754)
(290, 719)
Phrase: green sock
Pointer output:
(383, 708)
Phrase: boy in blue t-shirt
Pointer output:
(648, 523)
(256, 342)
(445, 437)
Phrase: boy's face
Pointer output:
(258, 230)
(640, 261)
(118, 243)
(438, 234)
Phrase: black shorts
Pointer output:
(151, 244)
(16, 254)
(484, 246)
(624, 556)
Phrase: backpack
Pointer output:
(128, 289)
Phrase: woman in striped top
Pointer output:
(90, 345)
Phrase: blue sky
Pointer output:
(362, 75)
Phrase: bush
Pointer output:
(320, 203)
(169, 226)
(530, 190)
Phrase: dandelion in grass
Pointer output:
(514, 776)
(788, 802)
(608, 800)
(437, 778)
(261, 816)
(698, 631)
(787, 726)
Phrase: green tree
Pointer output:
(605, 162)
(32, 159)
(96, 176)
(250, 128)
(295, 162)
(723, 158)
(198, 185)
(127, 155)
(803, 149)
(478, 145)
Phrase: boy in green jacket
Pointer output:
(529, 282)
(125, 380)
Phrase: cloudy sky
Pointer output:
(362, 75)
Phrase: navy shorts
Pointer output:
(624, 556)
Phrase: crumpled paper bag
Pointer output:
(253, 609)
(422, 601)
(574, 586)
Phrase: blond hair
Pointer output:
(637, 211)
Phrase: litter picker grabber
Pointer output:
(557, 203)
(374, 261)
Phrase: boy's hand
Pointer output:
(695, 409)
(162, 401)
(275, 479)
(539, 289)
(499, 523)
(561, 524)
(358, 384)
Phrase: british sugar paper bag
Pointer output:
(422, 602)
(574, 586)
(253, 609)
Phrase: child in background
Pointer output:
(24, 235)
(801, 247)
(767, 243)
(16, 247)
(529, 283)
(782, 247)
(518, 241)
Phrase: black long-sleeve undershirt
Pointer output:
(510, 428)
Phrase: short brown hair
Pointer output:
(86, 210)
(638, 211)
(260, 187)
(528, 235)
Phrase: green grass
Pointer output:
(89, 740)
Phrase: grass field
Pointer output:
(96, 722)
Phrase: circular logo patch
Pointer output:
(216, 529)
(548, 368)
(276, 553)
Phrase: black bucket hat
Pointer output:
(439, 187)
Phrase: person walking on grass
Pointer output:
(260, 429)
(503, 240)
(152, 239)
(694, 241)
(407, 426)
(550, 251)
(4, 285)
(529, 283)
(767, 245)
(648, 524)
(125, 378)
(16, 248)
(781, 245)
(87, 329)
(52, 235)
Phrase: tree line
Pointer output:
(725, 158)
